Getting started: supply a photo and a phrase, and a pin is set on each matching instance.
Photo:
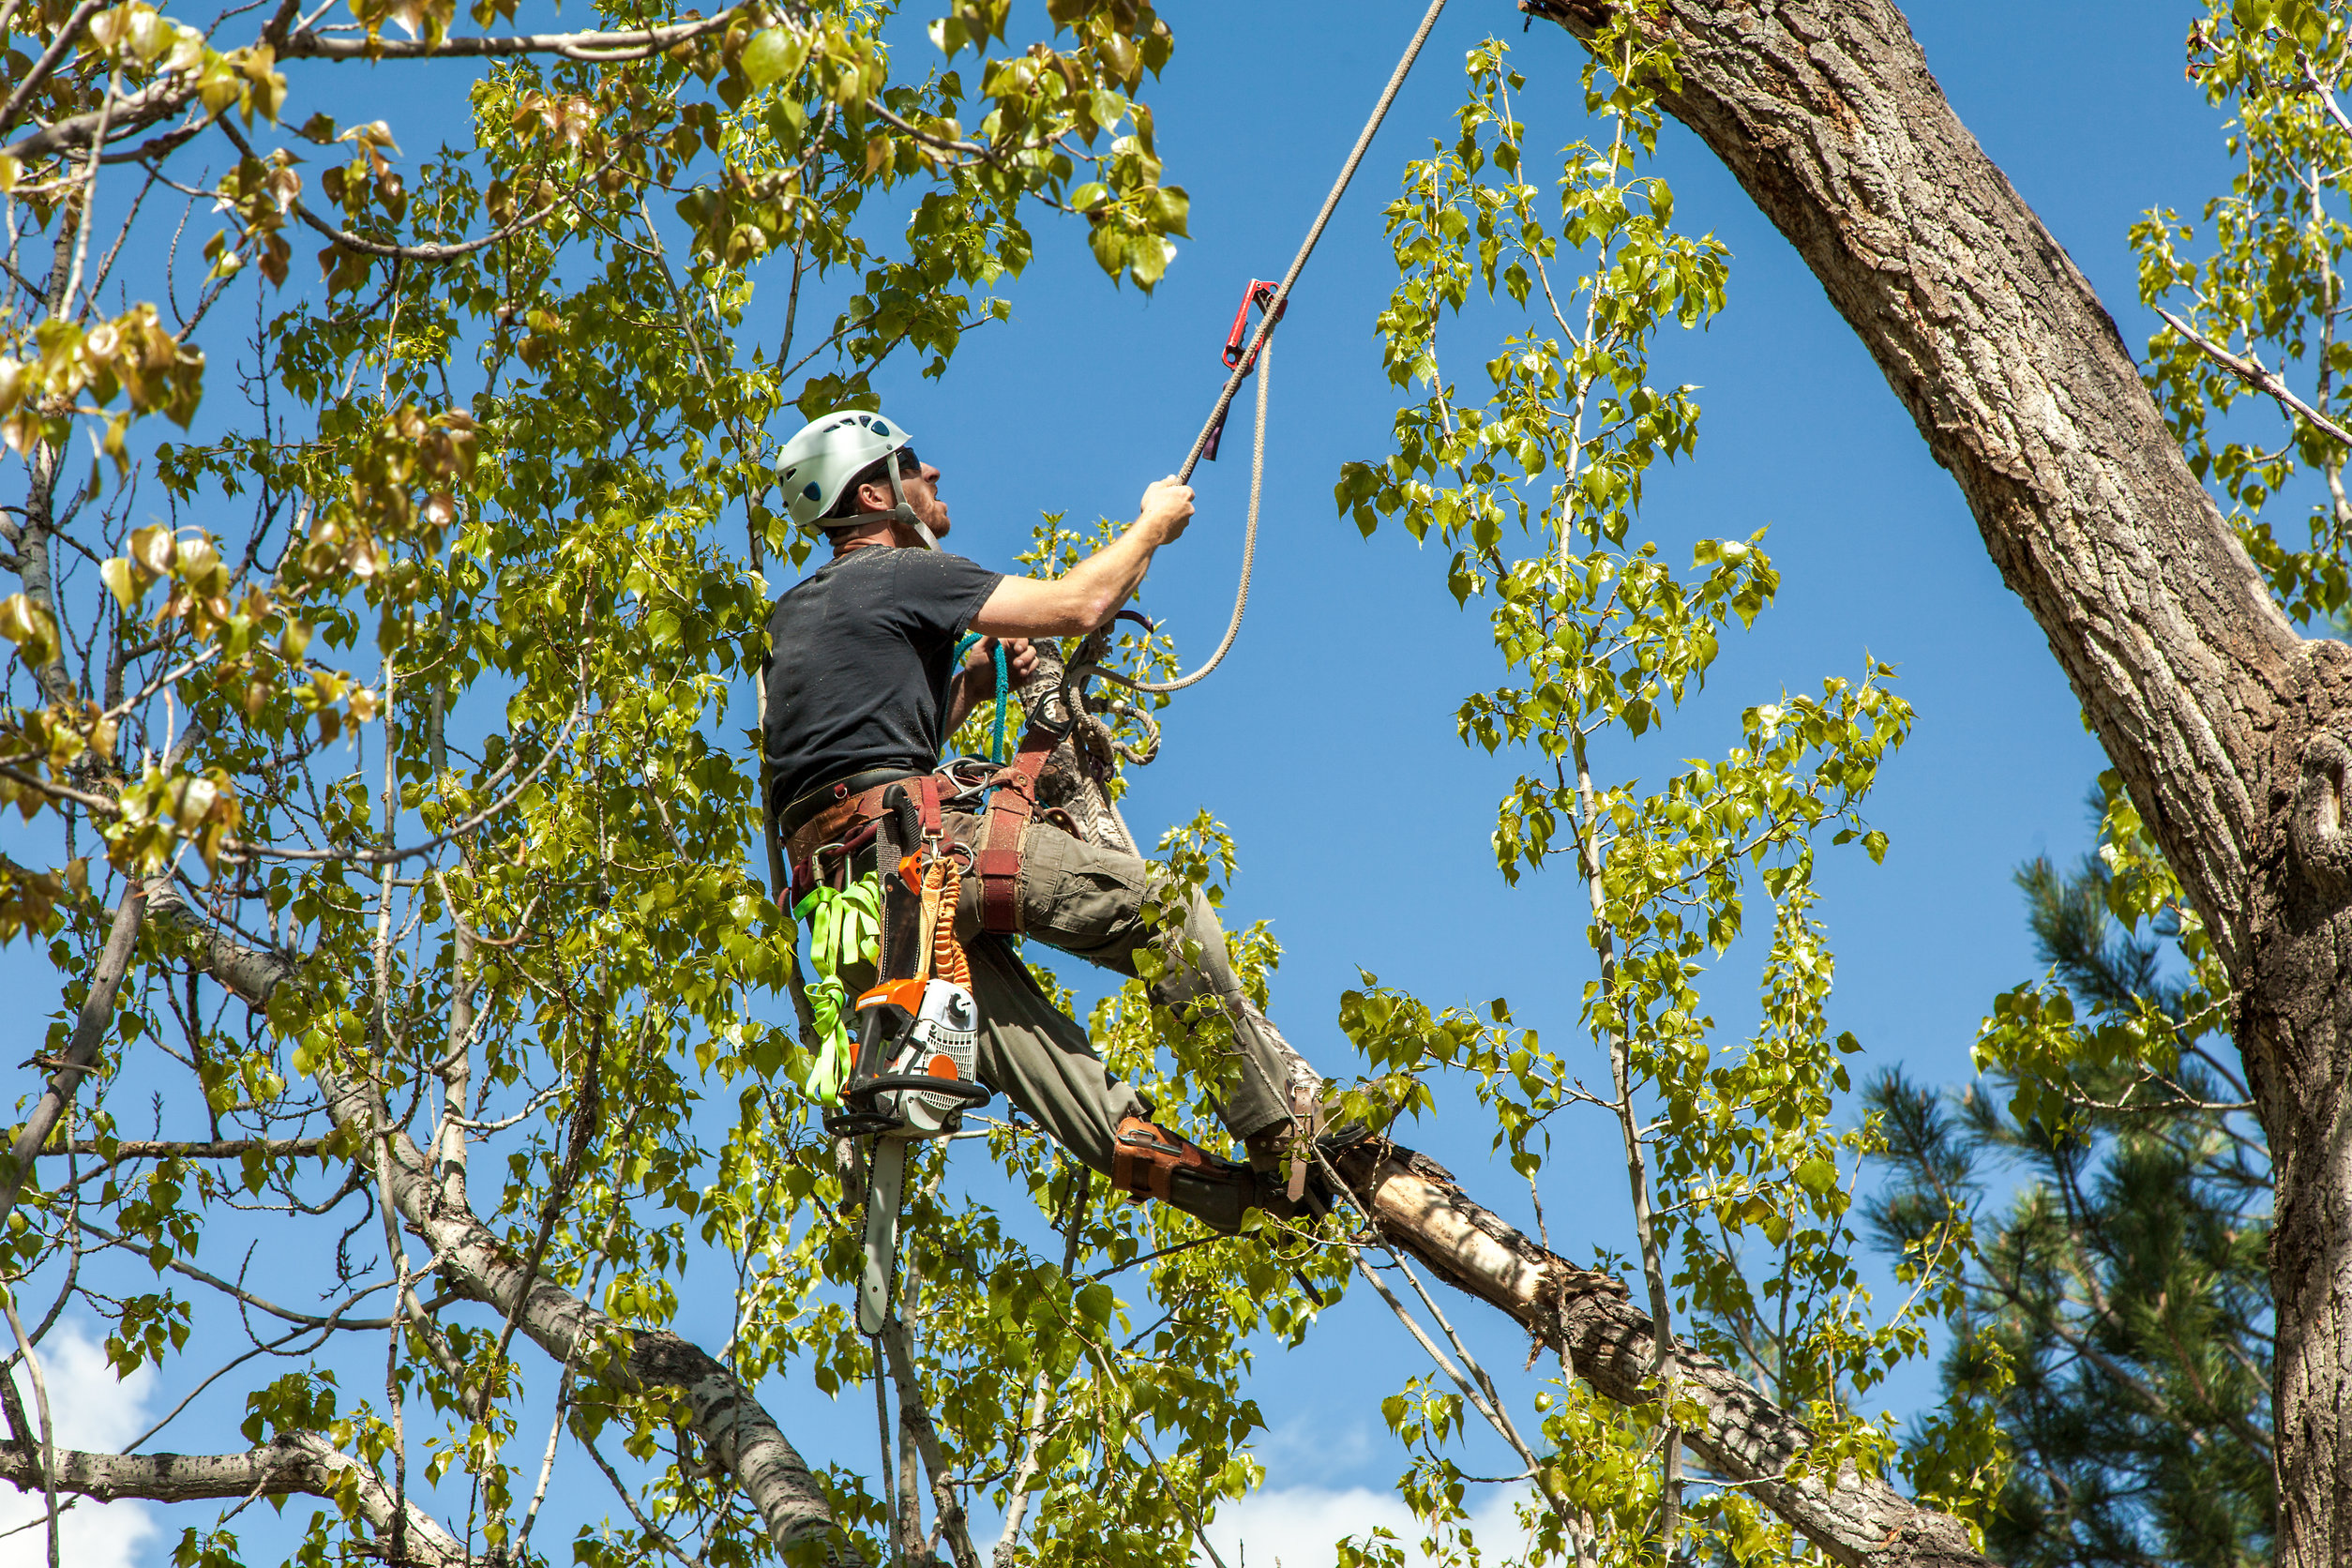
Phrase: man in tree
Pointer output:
(862, 692)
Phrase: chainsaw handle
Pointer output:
(961, 1089)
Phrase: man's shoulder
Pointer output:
(827, 572)
(894, 571)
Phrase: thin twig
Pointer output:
(2255, 374)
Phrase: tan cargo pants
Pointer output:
(1090, 902)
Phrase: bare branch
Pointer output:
(170, 1149)
(603, 47)
(2255, 374)
(428, 253)
(296, 1463)
(157, 100)
(82, 1051)
(43, 67)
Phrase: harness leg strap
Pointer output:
(1012, 802)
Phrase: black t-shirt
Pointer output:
(860, 652)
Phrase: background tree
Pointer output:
(2222, 720)
(1738, 1177)
(2117, 1326)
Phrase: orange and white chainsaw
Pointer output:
(916, 1068)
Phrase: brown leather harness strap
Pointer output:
(1012, 802)
(847, 825)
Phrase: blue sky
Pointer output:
(1326, 742)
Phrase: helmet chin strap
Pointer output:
(904, 513)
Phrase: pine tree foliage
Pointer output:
(2106, 1209)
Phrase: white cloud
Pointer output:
(1308, 1448)
(92, 1409)
(1298, 1527)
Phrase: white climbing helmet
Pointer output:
(819, 462)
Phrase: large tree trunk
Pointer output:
(2221, 718)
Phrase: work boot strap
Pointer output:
(1145, 1158)
(1012, 802)
(1311, 1114)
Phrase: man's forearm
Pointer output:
(963, 694)
(1110, 577)
(1090, 592)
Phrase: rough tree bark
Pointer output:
(2225, 724)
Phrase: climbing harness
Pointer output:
(1240, 361)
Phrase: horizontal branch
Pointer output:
(428, 254)
(239, 852)
(160, 100)
(296, 1463)
(156, 100)
(605, 47)
(173, 1149)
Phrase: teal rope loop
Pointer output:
(1004, 690)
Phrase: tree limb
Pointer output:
(608, 47)
(474, 1263)
(181, 1148)
(2254, 374)
(161, 100)
(1856, 1520)
(81, 1049)
(295, 1462)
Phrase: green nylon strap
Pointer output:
(844, 927)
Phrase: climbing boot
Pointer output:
(1284, 1154)
(1149, 1161)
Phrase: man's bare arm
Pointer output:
(1091, 592)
